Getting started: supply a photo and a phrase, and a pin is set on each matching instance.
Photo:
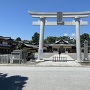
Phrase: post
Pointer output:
(85, 51)
(41, 37)
(78, 46)
(59, 52)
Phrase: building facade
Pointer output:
(7, 45)
(64, 46)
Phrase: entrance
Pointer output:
(60, 15)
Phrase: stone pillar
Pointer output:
(78, 45)
(41, 38)
(85, 51)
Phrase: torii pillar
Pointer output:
(41, 38)
(78, 45)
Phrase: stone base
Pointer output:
(78, 61)
(40, 53)
(83, 61)
(39, 60)
(86, 61)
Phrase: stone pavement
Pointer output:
(68, 62)
(61, 55)
(48, 61)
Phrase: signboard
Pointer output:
(59, 18)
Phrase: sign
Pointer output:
(59, 18)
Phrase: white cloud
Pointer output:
(65, 34)
(73, 34)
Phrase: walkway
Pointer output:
(49, 61)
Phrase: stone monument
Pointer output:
(85, 51)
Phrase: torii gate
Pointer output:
(59, 15)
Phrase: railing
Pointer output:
(59, 59)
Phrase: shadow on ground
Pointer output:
(12, 83)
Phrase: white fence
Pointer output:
(5, 59)
(9, 58)
(59, 59)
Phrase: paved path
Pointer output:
(62, 56)
(74, 55)
(45, 55)
(64, 60)
(48, 60)
(44, 78)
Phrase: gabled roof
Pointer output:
(5, 38)
(62, 45)
(31, 46)
(61, 41)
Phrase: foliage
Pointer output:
(35, 38)
(84, 37)
(66, 38)
(26, 41)
(18, 39)
(50, 40)
(30, 42)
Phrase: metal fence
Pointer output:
(59, 59)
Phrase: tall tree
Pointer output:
(66, 38)
(18, 39)
(50, 39)
(35, 38)
(84, 37)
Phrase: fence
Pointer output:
(5, 59)
(59, 59)
(9, 58)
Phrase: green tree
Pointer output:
(58, 38)
(84, 37)
(50, 40)
(35, 38)
(72, 41)
(26, 41)
(18, 39)
(66, 38)
(30, 42)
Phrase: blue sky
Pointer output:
(16, 22)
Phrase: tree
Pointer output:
(72, 41)
(26, 41)
(50, 40)
(18, 39)
(84, 37)
(35, 38)
(66, 38)
(30, 42)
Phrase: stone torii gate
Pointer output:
(59, 15)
